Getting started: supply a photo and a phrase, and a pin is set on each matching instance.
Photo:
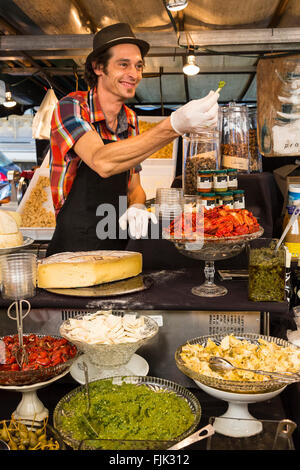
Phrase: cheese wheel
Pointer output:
(9, 240)
(7, 223)
(17, 216)
(89, 268)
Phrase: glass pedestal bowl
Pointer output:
(209, 250)
(237, 393)
(109, 359)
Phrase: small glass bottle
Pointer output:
(255, 156)
(220, 183)
(205, 181)
(239, 199)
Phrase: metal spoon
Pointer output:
(4, 445)
(287, 228)
(219, 364)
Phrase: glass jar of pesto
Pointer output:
(266, 269)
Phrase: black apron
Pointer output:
(76, 221)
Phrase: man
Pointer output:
(95, 147)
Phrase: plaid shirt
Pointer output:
(73, 116)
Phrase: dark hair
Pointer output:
(89, 74)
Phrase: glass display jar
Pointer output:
(255, 165)
(235, 137)
(200, 152)
(266, 269)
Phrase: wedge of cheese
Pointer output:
(89, 268)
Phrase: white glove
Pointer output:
(137, 217)
(196, 115)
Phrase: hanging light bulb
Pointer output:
(9, 102)
(191, 68)
(176, 5)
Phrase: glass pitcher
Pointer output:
(235, 137)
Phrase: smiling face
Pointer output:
(123, 72)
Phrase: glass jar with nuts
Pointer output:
(200, 152)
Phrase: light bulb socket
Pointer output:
(191, 68)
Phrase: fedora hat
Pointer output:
(119, 33)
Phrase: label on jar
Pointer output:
(235, 162)
(220, 182)
(232, 181)
(208, 203)
(239, 204)
(204, 182)
(229, 204)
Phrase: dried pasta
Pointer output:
(34, 213)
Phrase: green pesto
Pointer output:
(266, 275)
(126, 412)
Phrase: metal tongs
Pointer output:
(21, 354)
(86, 415)
(219, 364)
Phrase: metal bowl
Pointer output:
(234, 386)
(155, 384)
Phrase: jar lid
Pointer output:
(220, 171)
(238, 191)
(205, 171)
(229, 170)
(225, 193)
(206, 194)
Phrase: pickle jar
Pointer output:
(235, 137)
(227, 199)
(205, 181)
(232, 178)
(208, 200)
(220, 181)
(200, 152)
(239, 199)
(266, 269)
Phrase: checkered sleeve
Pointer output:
(70, 121)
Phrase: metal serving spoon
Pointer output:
(202, 433)
(219, 364)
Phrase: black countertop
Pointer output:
(171, 290)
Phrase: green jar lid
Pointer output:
(225, 193)
(238, 191)
(205, 172)
(220, 171)
(206, 194)
(229, 170)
